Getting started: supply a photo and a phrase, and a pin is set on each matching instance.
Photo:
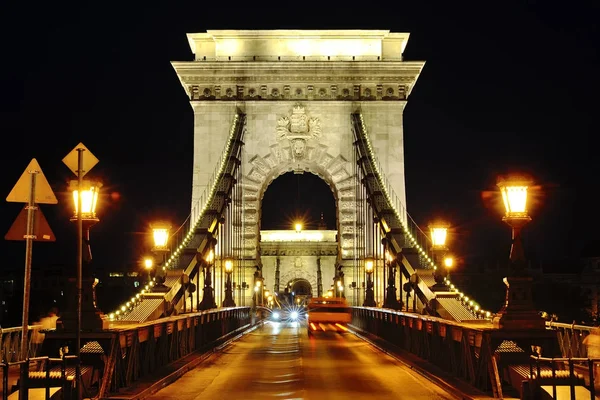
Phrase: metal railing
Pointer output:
(184, 233)
(10, 342)
(570, 338)
(415, 236)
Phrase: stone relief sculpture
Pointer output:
(298, 128)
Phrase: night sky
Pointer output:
(511, 88)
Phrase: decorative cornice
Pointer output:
(298, 80)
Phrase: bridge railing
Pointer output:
(466, 351)
(10, 343)
(571, 338)
(455, 348)
(139, 351)
(415, 236)
(184, 233)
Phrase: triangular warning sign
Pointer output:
(43, 192)
(41, 229)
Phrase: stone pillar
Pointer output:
(319, 278)
(276, 286)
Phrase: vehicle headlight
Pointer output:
(294, 315)
(275, 315)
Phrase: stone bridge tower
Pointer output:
(298, 90)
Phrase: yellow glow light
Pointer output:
(228, 265)
(369, 265)
(439, 233)
(160, 234)
(514, 195)
(448, 262)
(148, 263)
(89, 197)
(298, 226)
(210, 257)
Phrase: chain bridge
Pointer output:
(328, 103)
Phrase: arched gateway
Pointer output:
(298, 90)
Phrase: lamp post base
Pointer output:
(92, 319)
(518, 311)
(390, 299)
(369, 299)
(208, 299)
(228, 301)
(518, 320)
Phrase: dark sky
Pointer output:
(505, 88)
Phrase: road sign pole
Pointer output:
(79, 271)
(26, 279)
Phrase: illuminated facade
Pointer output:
(299, 260)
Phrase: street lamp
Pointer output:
(85, 201)
(228, 301)
(160, 239)
(390, 297)
(369, 294)
(208, 297)
(160, 234)
(84, 316)
(518, 312)
(298, 227)
(259, 290)
(439, 234)
(148, 264)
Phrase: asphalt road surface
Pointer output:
(280, 361)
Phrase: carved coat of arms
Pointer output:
(298, 128)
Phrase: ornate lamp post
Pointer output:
(390, 297)
(85, 200)
(369, 294)
(439, 233)
(228, 301)
(83, 315)
(208, 297)
(518, 311)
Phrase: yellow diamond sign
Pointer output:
(89, 160)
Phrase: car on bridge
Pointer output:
(288, 314)
(328, 314)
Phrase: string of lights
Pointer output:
(387, 190)
(203, 202)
